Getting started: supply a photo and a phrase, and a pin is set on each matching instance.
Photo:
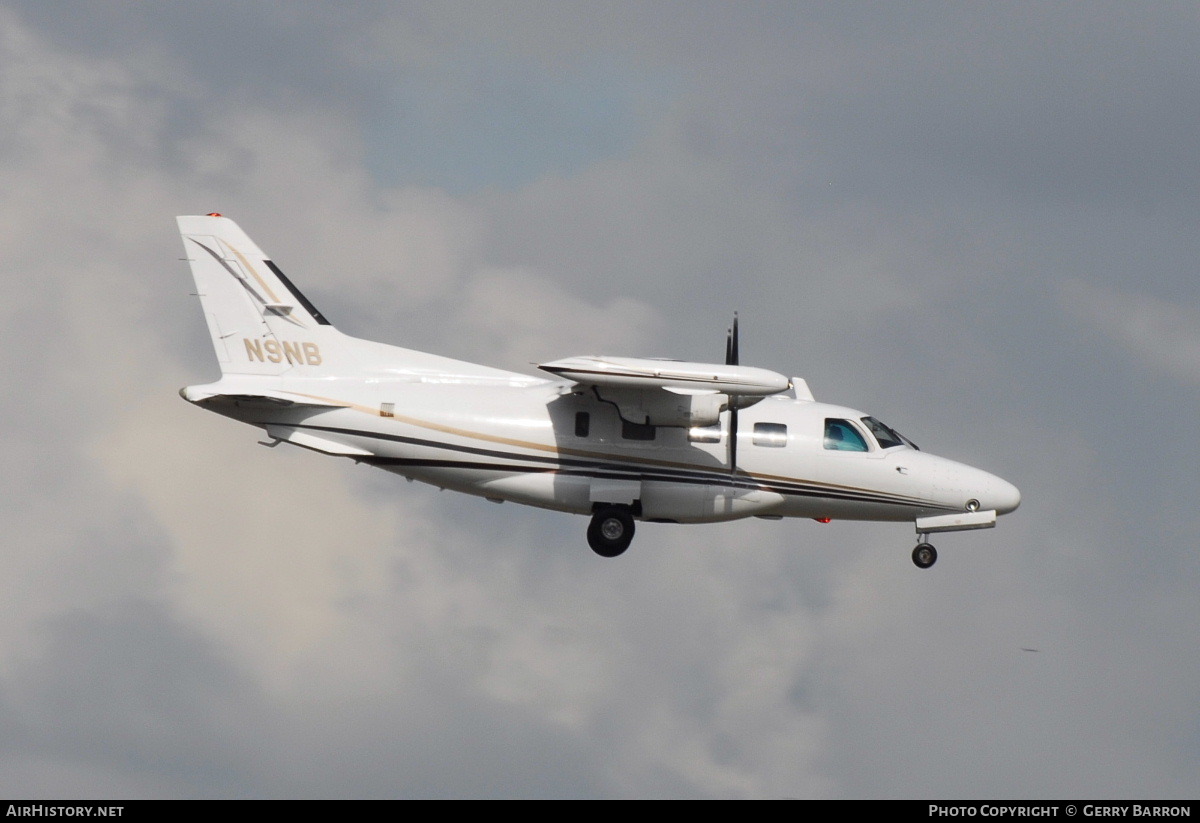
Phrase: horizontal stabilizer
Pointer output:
(212, 394)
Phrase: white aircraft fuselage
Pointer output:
(620, 439)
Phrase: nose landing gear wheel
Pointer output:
(924, 555)
(610, 531)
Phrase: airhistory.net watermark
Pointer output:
(44, 810)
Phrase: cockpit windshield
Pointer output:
(886, 435)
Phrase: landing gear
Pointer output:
(924, 555)
(610, 531)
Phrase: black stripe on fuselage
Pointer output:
(723, 480)
(610, 470)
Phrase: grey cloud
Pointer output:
(901, 201)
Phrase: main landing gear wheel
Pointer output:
(924, 555)
(610, 531)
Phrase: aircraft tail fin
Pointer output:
(262, 325)
(259, 322)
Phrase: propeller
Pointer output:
(731, 359)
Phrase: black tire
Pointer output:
(924, 555)
(611, 531)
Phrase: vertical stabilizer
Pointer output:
(259, 322)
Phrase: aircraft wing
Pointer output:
(669, 392)
(642, 373)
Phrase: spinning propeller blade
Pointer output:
(731, 359)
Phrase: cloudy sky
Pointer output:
(975, 220)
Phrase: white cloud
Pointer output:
(521, 317)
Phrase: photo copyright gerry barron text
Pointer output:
(1058, 810)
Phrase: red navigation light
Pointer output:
(823, 519)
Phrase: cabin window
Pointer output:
(770, 434)
(840, 435)
(636, 431)
(387, 409)
(705, 434)
(583, 424)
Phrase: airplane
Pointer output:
(619, 439)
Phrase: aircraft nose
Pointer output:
(1003, 496)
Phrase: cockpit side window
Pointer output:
(840, 435)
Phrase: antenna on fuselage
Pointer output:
(731, 359)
